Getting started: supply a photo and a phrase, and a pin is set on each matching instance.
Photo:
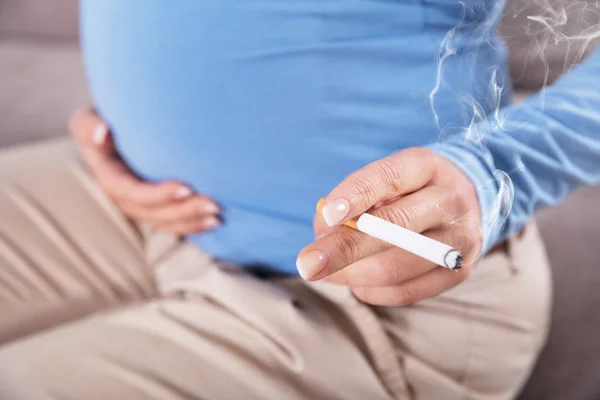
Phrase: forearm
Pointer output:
(548, 146)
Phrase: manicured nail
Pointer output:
(183, 192)
(211, 223)
(100, 134)
(335, 212)
(311, 263)
(211, 208)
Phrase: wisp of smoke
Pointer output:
(571, 24)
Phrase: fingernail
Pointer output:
(211, 208)
(211, 223)
(100, 134)
(183, 192)
(336, 211)
(311, 263)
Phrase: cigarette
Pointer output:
(437, 252)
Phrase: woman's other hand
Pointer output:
(170, 206)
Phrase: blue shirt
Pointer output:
(266, 105)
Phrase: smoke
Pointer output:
(557, 31)
(447, 49)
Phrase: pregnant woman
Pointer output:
(169, 267)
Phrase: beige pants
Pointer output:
(93, 308)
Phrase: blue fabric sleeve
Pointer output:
(548, 146)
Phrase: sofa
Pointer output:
(42, 81)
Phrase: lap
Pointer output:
(259, 341)
(481, 339)
(64, 249)
(217, 332)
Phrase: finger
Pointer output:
(394, 265)
(389, 267)
(418, 212)
(424, 287)
(193, 226)
(425, 209)
(321, 228)
(90, 132)
(193, 208)
(113, 175)
(422, 210)
(380, 181)
(335, 251)
(120, 184)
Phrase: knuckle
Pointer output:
(458, 201)
(391, 174)
(347, 246)
(400, 216)
(393, 271)
(361, 188)
(405, 295)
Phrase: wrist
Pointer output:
(493, 189)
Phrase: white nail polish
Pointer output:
(211, 223)
(335, 212)
(100, 134)
(211, 208)
(183, 192)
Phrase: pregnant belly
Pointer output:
(263, 105)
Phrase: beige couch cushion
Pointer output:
(50, 19)
(40, 85)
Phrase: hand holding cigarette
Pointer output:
(438, 253)
(400, 230)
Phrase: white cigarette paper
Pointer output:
(438, 253)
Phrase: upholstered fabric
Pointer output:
(40, 85)
(50, 19)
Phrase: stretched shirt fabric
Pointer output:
(266, 105)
